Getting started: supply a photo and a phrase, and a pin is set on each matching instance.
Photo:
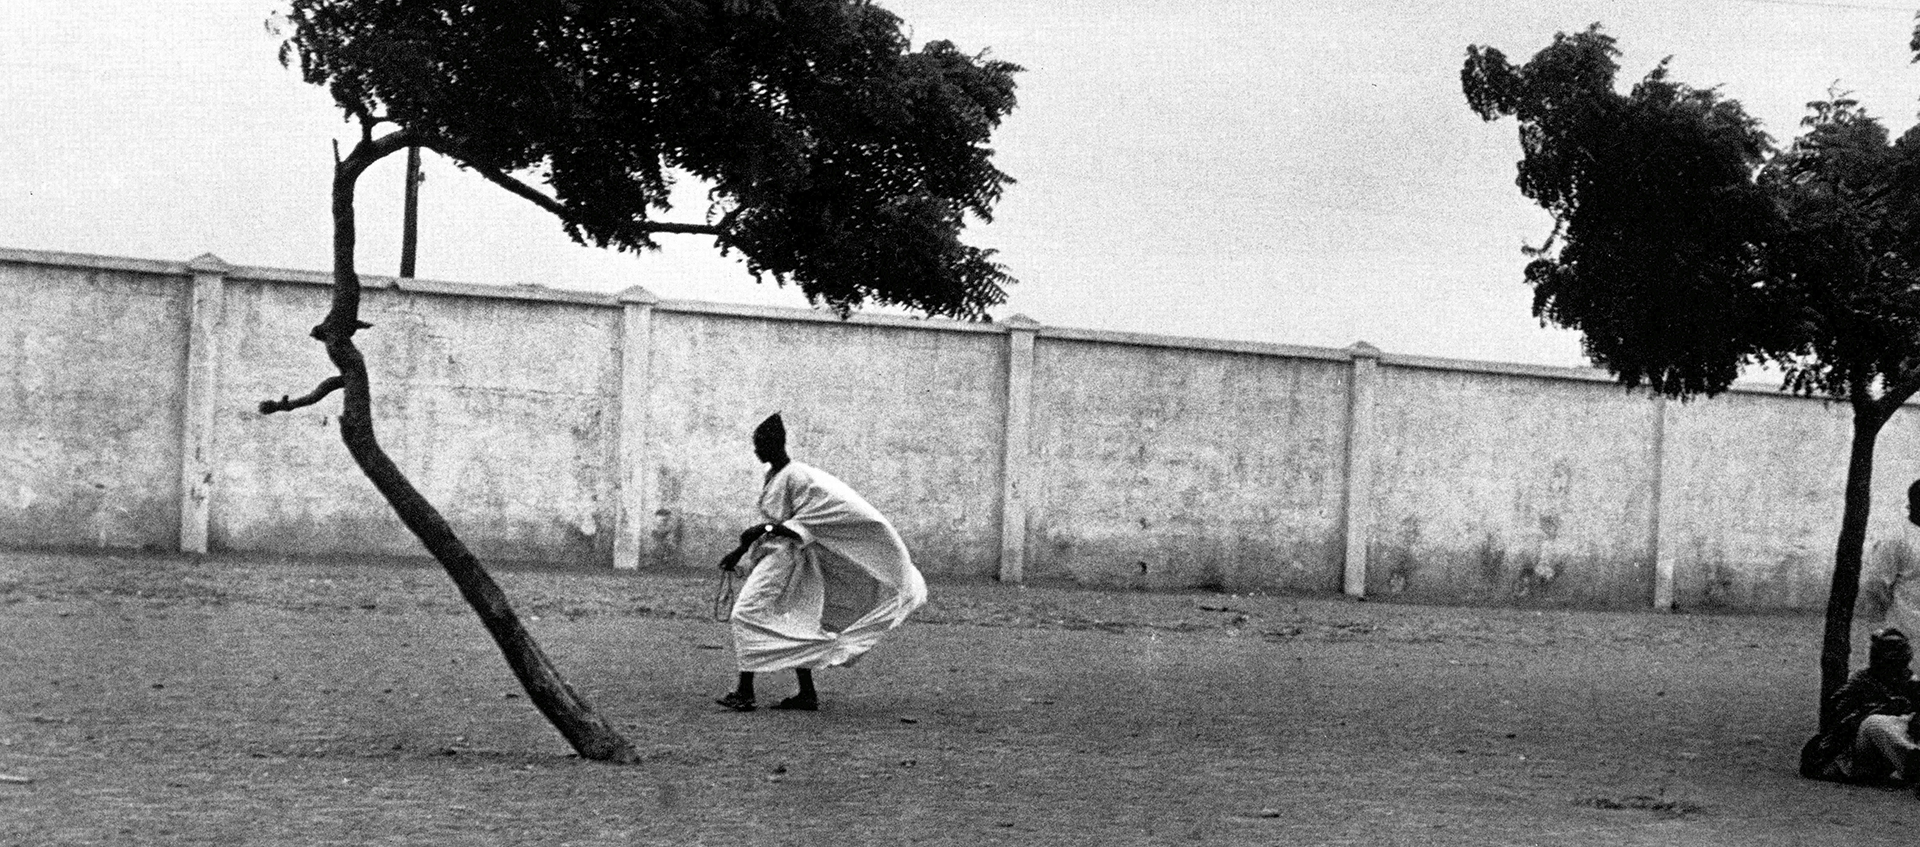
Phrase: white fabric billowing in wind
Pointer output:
(827, 598)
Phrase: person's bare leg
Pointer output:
(808, 700)
(740, 699)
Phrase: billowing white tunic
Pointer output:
(827, 598)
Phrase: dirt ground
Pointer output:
(231, 700)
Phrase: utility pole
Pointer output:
(410, 218)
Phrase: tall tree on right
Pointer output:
(1686, 247)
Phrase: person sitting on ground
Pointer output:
(1869, 736)
(830, 576)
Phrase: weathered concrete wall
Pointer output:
(92, 362)
(499, 410)
(595, 430)
(910, 418)
(1754, 492)
(1166, 467)
(1496, 487)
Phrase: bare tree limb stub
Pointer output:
(285, 404)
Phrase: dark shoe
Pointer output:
(734, 701)
(800, 703)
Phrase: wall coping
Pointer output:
(1440, 363)
(1215, 345)
(639, 294)
(788, 313)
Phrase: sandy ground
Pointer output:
(233, 700)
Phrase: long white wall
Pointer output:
(595, 431)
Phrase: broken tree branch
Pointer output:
(284, 404)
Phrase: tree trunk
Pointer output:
(410, 214)
(576, 720)
(1836, 647)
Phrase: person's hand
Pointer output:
(731, 561)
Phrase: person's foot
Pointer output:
(800, 703)
(736, 701)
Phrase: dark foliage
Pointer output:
(1659, 224)
(1847, 262)
(1685, 247)
(838, 158)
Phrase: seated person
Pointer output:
(1869, 738)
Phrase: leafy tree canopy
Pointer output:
(1657, 218)
(1847, 261)
(1686, 246)
(837, 157)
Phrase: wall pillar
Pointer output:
(1358, 502)
(205, 314)
(1014, 470)
(1661, 525)
(631, 464)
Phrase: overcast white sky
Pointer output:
(1303, 172)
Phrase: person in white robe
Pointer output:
(1890, 578)
(1903, 583)
(829, 576)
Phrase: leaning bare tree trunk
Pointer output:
(576, 720)
(1836, 647)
